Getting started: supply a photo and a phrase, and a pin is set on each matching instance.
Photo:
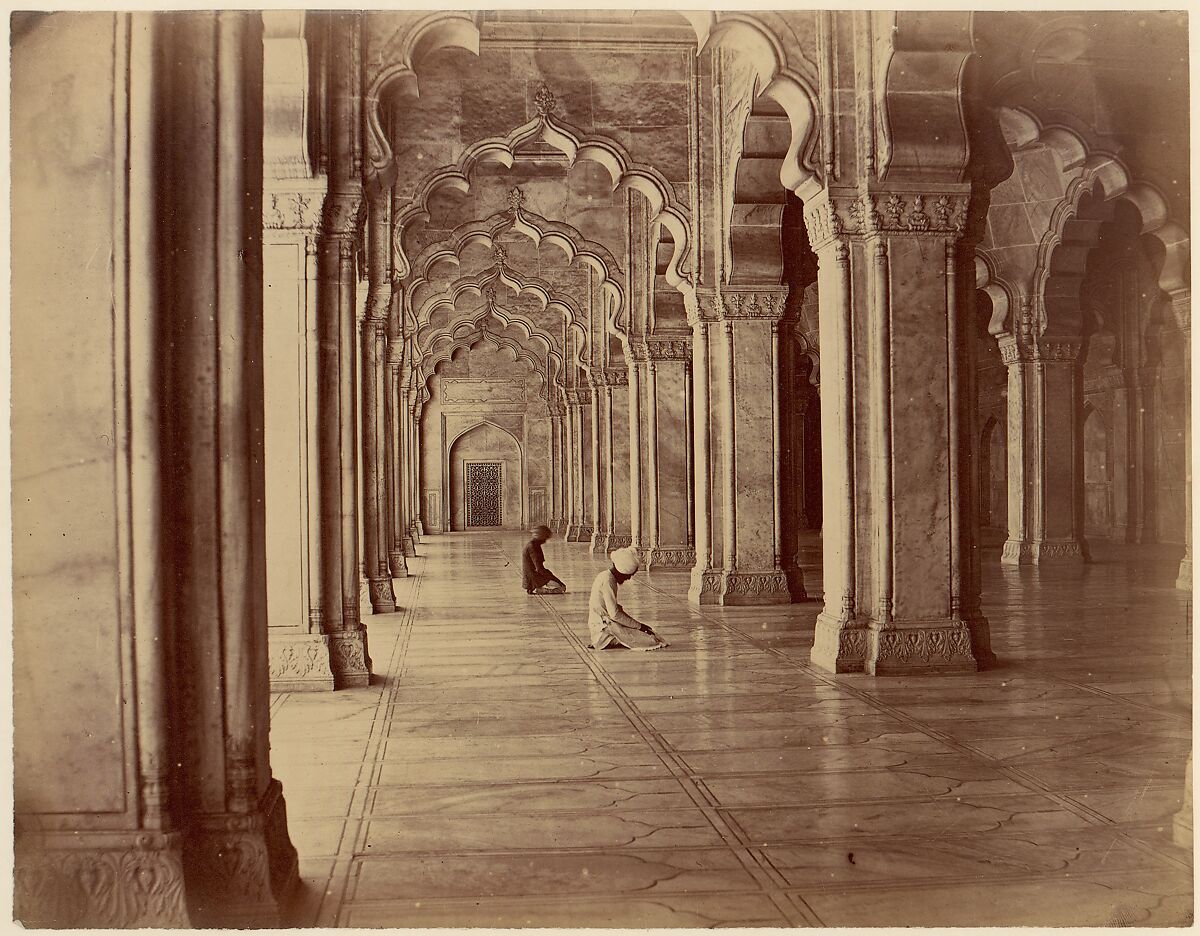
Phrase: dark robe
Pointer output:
(534, 573)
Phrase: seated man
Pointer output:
(608, 625)
(536, 579)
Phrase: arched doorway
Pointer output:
(1097, 474)
(993, 514)
(486, 470)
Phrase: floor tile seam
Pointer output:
(675, 767)
(660, 809)
(599, 897)
(339, 882)
(1017, 776)
(522, 899)
(328, 913)
(1185, 718)
(989, 880)
(811, 917)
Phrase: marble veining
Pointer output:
(500, 774)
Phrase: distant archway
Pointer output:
(993, 475)
(485, 466)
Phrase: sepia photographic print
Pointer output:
(626, 468)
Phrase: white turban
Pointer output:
(625, 560)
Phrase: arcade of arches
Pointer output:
(868, 330)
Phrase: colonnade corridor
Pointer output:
(497, 773)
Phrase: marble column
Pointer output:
(397, 566)
(1045, 450)
(349, 645)
(704, 579)
(637, 489)
(406, 477)
(555, 475)
(619, 466)
(1181, 307)
(745, 321)
(417, 527)
(141, 756)
(571, 465)
(901, 585)
(584, 466)
(601, 461)
(374, 335)
(668, 481)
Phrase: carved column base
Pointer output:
(668, 558)
(920, 651)
(300, 663)
(107, 880)
(705, 587)
(241, 869)
(348, 658)
(1184, 580)
(753, 588)
(383, 598)
(396, 564)
(839, 646)
(1038, 552)
(599, 543)
(418, 530)
(617, 541)
(408, 545)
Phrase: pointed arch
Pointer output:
(572, 143)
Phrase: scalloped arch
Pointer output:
(438, 30)
(569, 141)
(997, 290)
(478, 283)
(465, 336)
(791, 84)
(538, 229)
(1085, 172)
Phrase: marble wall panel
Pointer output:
(755, 450)
(68, 430)
(673, 458)
(284, 441)
(920, 429)
(1061, 472)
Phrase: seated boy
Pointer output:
(536, 579)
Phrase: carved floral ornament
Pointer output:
(1032, 348)
(669, 349)
(300, 211)
(865, 214)
(730, 304)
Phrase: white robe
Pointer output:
(608, 623)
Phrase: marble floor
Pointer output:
(497, 773)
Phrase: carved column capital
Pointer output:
(340, 216)
(616, 377)
(738, 303)
(1024, 350)
(669, 349)
(836, 215)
